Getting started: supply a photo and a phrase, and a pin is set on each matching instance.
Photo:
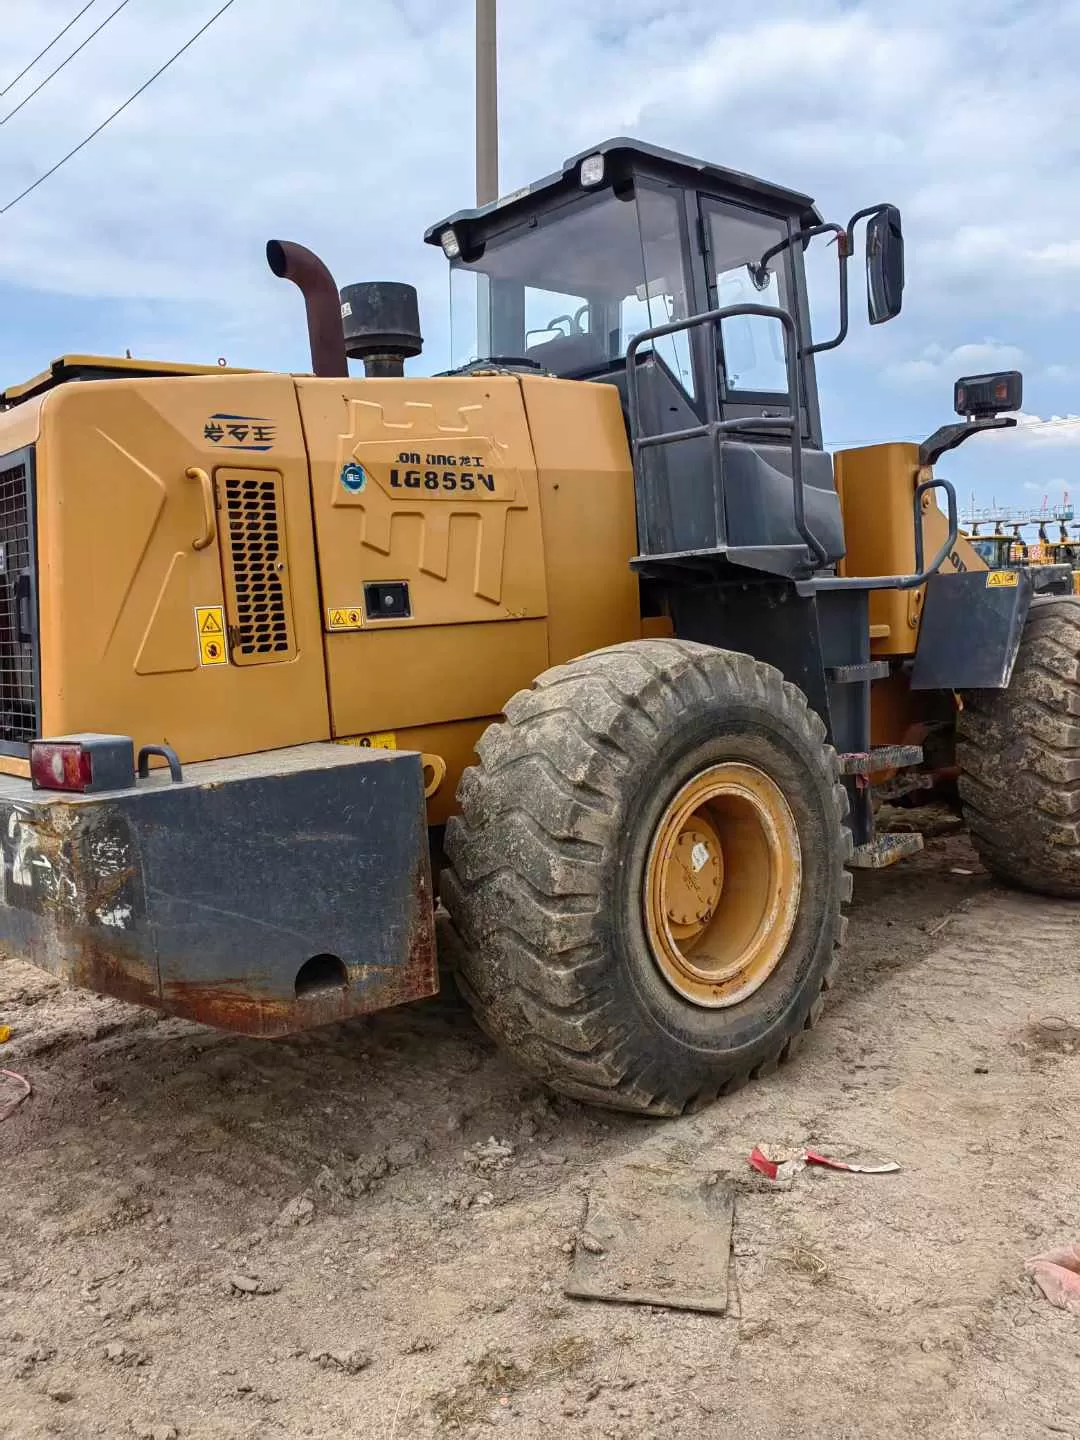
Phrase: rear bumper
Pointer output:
(207, 898)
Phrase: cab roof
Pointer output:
(625, 158)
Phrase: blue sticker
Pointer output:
(354, 478)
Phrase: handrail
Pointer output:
(714, 428)
(899, 582)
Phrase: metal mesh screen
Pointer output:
(259, 622)
(18, 692)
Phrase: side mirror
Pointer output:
(975, 396)
(884, 265)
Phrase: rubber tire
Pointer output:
(1018, 752)
(548, 855)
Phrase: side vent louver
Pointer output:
(257, 595)
(18, 607)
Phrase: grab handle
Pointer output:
(209, 516)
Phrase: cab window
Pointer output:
(753, 345)
(573, 289)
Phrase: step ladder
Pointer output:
(883, 850)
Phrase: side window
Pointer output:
(549, 315)
(564, 332)
(645, 310)
(664, 296)
(753, 344)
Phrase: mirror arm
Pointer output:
(845, 245)
(843, 252)
(760, 272)
(950, 436)
(845, 248)
(866, 214)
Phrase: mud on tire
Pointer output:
(547, 859)
(1018, 751)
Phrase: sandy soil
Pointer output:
(208, 1237)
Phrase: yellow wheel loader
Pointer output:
(591, 627)
(1061, 551)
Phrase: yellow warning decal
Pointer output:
(210, 628)
(1002, 579)
(380, 740)
(349, 619)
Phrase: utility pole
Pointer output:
(487, 104)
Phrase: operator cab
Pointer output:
(573, 274)
(995, 549)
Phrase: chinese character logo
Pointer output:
(240, 432)
(353, 478)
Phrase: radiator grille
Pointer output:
(18, 609)
(260, 628)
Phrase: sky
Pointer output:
(347, 125)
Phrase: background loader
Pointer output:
(598, 626)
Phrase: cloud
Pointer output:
(349, 127)
(1057, 431)
(937, 364)
(1034, 437)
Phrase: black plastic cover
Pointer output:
(381, 317)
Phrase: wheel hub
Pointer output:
(693, 880)
(722, 886)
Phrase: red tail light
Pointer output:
(61, 766)
(79, 763)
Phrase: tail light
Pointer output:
(60, 766)
(83, 763)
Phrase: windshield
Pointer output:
(572, 290)
(995, 549)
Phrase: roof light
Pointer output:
(592, 171)
(451, 245)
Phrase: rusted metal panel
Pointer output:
(206, 899)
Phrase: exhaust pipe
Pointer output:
(326, 335)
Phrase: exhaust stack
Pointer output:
(326, 337)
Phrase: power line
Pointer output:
(119, 110)
(58, 36)
(26, 98)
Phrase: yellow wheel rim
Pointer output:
(722, 885)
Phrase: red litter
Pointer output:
(760, 1161)
(1057, 1274)
(781, 1171)
(883, 1167)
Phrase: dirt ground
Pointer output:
(206, 1237)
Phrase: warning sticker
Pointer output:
(210, 628)
(380, 740)
(348, 619)
(699, 856)
(1002, 579)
